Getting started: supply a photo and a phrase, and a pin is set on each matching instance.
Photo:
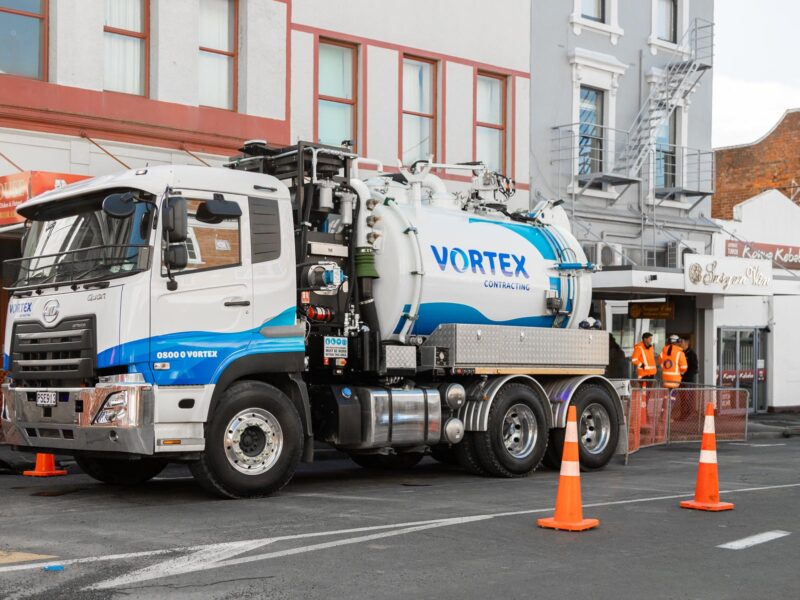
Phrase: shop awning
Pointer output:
(19, 187)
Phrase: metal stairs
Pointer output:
(694, 55)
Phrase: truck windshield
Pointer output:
(76, 242)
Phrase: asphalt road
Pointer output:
(339, 531)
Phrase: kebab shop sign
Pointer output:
(19, 187)
(729, 276)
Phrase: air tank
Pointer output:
(448, 265)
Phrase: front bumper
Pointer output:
(67, 427)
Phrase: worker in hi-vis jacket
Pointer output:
(673, 363)
(644, 359)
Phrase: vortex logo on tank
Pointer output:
(510, 265)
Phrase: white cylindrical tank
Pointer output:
(476, 269)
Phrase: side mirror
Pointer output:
(176, 220)
(217, 210)
(177, 256)
(119, 206)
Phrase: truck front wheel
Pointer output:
(253, 442)
(120, 472)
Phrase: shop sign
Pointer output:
(727, 378)
(651, 310)
(727, 275)
(19, 187)
(787, 257)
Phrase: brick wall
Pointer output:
(745, 171)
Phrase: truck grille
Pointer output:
(62, 356)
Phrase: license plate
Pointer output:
(46, 398)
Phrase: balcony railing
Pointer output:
(683, 171)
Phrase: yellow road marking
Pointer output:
(15, 557)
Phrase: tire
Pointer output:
(254, 441)
(516, 439)
(467, 456)
(392, 462)
(121, 472)
(595, 446)
(445, 454)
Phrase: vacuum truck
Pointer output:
(235, 318)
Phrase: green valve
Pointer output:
(365, 263)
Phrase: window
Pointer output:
(666, 20)
(594, 10)
(126, 46)
(23, 38)
(490, 121)
(666, 153)
(590, 131)
(336, 93)
(218, 55)
(211, 246)
(419, 110)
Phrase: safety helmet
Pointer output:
(674, 339)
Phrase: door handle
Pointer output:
(233, 302)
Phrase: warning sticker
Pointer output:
(335, 347)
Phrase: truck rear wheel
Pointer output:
(516, 438)
(467, 456)
(253, 442)
(598, 429)
(120, 472)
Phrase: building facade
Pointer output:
(621, 133)
(93, 86)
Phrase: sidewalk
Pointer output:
(773, 425)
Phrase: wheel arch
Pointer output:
(276, 370)
(481, 394)
(561, 391)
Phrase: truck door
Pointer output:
(207, 321)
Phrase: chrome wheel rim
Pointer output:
(595, 428)
(519, 431)
(253, 441)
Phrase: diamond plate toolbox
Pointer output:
(500, 345)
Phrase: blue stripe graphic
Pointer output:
(199, 357)
(433, 314)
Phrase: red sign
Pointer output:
(784, 256)
(19, 187)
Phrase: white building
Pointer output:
(757, 335)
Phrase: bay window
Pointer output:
(23, 38)
(218, 53)
(336, 93)
(490, 121)
(126, 46)
(419, 110)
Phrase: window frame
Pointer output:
(434, 116)
(44, 17)
(234, 54)
(674, 24)
(601, 18)
(353, 102)
(145, 37)
(503, 127)
(600, 111)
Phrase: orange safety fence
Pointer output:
(658, 416)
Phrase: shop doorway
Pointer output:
(743, 363)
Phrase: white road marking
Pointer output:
(189, 564)
(235, 548)
(755, 445)
(753, 540)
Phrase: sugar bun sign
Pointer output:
(725, 275)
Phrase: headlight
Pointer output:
(114, 409)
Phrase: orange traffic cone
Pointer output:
(706, 492)
(569, 512)
(45, 467)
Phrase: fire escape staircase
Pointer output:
(630, 155)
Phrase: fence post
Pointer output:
(669, 417)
